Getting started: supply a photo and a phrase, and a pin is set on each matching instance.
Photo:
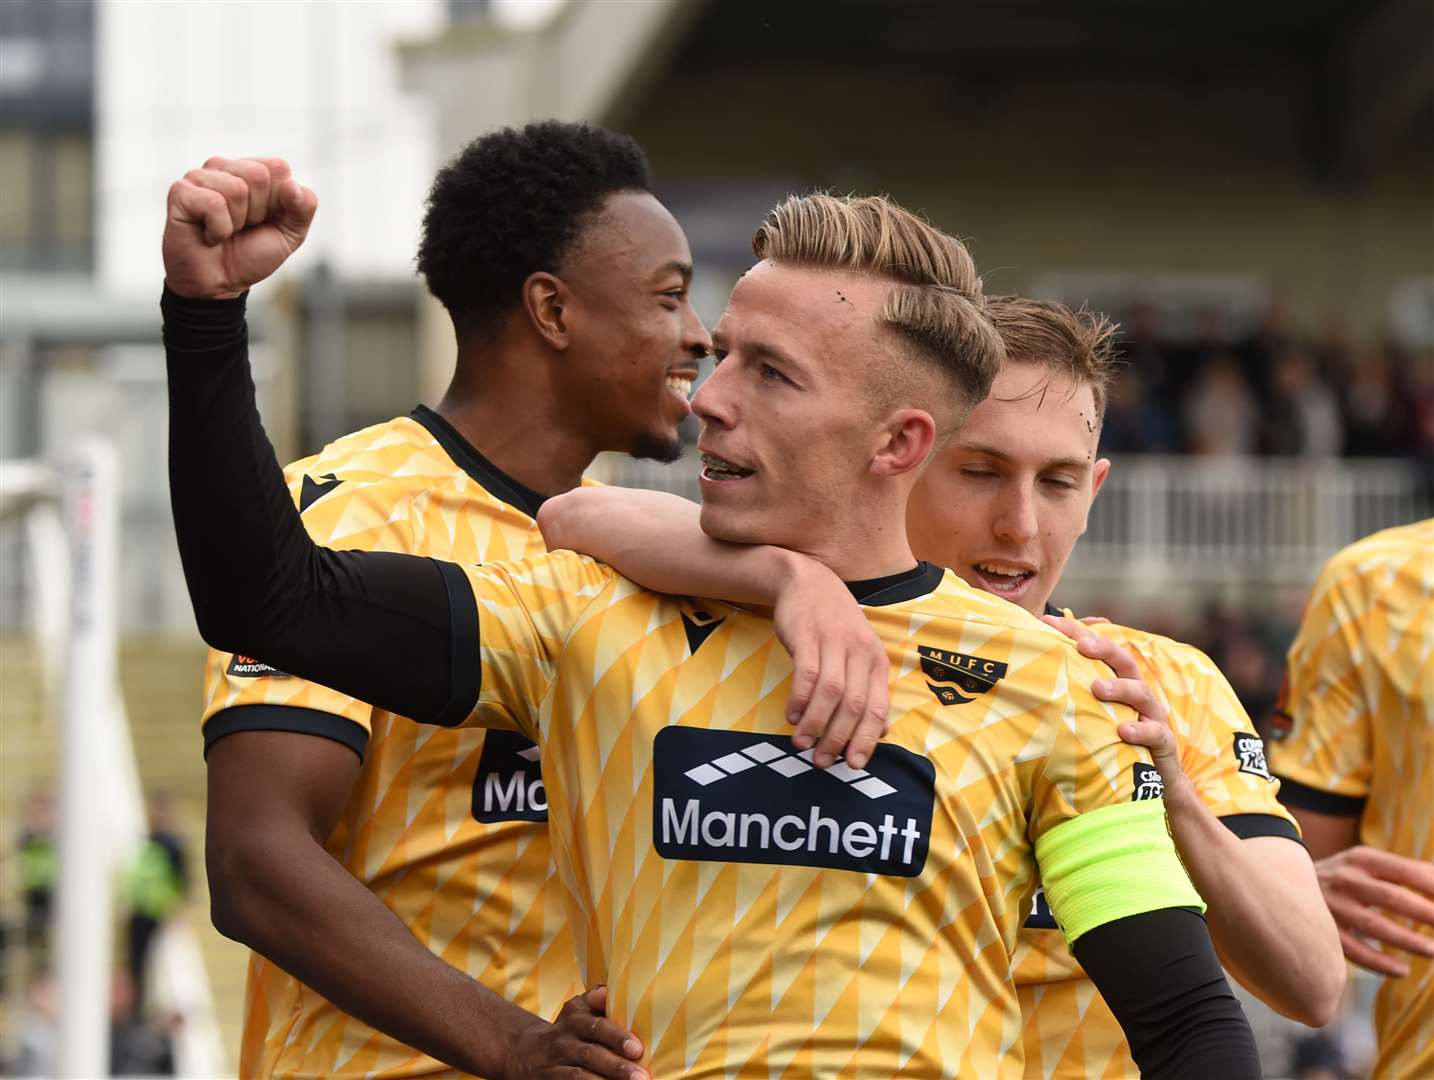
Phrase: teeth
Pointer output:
(714, 464)
(682, 385)
(1004, 571)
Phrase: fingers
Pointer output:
(1132, 692)
(873, 725)
(1094, 620)
(204, 208)
(1352, 914)
(1390, 897)
(595, 1043)
(845, 717)
(806, 668)
(297, 206)
(1367, 956)
(1415, 873)
(231, 186)
(827, 694)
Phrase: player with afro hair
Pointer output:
(512, 203)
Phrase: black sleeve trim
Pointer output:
(1159, 974)
(1246, 826)
(293, 718)
(1293, 793)
(464, 662)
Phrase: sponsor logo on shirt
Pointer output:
(509, 784)
(1148, 784)
(1250, 753)
(957, 678)
(246, 667)
(728, 796)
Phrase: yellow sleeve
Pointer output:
(1324, 750)
(242, 693)
(526, 613)
(1098, 818)
(1220, 750)
(1087, 765)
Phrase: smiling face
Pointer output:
(634, 338)
(1004, 504)
(791, 426)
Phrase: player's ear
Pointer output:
(905, 442)
(545, 300)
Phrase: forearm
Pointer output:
(373, 625)
(656, 540)
(290, 901)
(1292, 963)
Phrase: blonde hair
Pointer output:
(1079, 343)
(935, 307)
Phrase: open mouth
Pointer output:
(682, 384)
(1003, 579)
(720, 470)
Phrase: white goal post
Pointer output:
(70, 511)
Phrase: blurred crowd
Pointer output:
(1276, 391)
(152, 890)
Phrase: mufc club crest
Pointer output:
(956, 678)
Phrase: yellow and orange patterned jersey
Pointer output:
(754, 916)
(1069, 1031)
(447, 827)
(1355, 736)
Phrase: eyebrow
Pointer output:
(675, 266)
(760, 350)
(1001, 455)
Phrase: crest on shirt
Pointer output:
(958, 678)
(1250, 755)
(1148, 784)
(247, 667)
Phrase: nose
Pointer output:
(713, 402)
(695, 338)
(1016, 516)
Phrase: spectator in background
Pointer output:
(1142, 349)
(1221, 414)
(1134, 422)
(1258, 352)
(38, 866)
(1377, 410)
(158, 884)
(1303, 417)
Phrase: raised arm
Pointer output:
(1292, 963)
(377, 626)
(840, 682)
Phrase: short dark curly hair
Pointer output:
(511, 204)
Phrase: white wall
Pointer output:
(316, 83)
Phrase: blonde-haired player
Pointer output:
(749, 911)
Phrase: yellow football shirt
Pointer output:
(447, 827)
(1069, 1030)
(1355, 735)
(754, 916)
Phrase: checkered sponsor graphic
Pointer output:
(728, 796)
(788, 765)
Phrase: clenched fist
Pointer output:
(231, 224)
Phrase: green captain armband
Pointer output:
(1112, 863)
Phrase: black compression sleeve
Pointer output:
(1159, 975)
(375, 625)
